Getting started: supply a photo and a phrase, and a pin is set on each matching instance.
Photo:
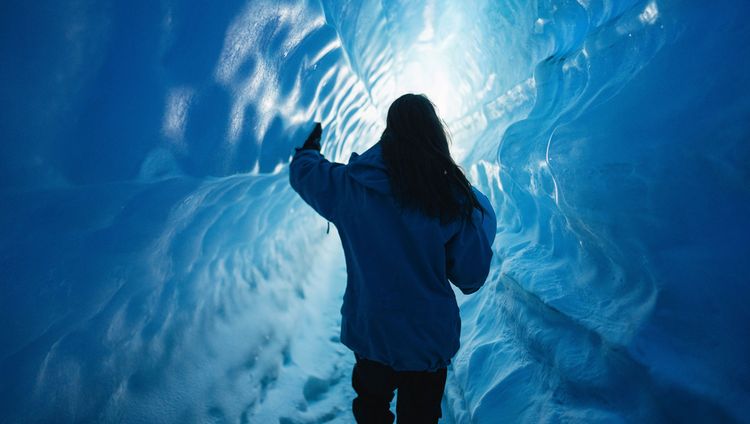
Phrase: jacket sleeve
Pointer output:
(318, 181)
(469, 251)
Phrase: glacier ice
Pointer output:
(156, 267)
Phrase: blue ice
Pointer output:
(155, 265)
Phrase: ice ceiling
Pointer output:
(155, 266)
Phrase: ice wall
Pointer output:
(155, 265)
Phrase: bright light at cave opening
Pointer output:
(432, 77)
(432, 65)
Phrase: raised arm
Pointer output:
(317, 180)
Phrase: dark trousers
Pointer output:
(419, 393)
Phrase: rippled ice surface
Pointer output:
(156, 267)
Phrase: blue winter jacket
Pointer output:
(399, 308)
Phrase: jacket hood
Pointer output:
(369, 169)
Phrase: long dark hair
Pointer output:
(421, 171)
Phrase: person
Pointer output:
(409, 222)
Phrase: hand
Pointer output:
(313, 140)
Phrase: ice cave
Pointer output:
(156, 266)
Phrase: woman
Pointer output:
(409, 222)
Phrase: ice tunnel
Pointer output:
(155, 265)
